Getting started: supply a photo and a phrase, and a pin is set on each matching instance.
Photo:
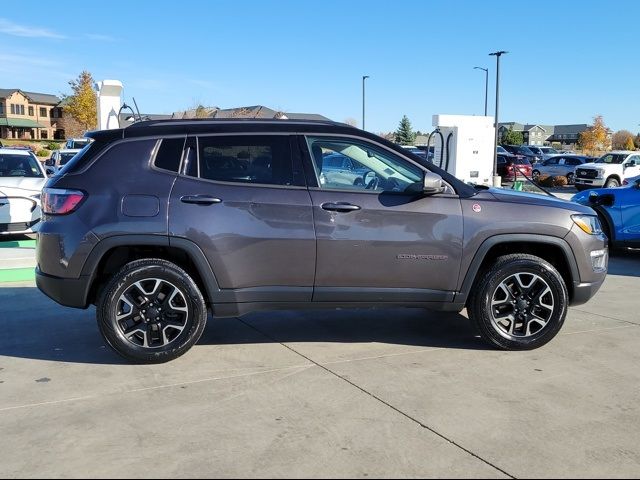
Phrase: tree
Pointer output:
(351, 121)
(619, 139)
(596, 137)
(405, 135)
(630, 145)
(82, 104)
(511, 137)
(636, 141)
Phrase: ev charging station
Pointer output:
(464, 146)
(109, 103)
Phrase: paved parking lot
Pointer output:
(386, 393)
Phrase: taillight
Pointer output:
(60, 201)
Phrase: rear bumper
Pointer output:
(70, 292)
(19, 228)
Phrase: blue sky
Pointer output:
(568, 60)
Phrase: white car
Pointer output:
(21, 180)
(608, 171)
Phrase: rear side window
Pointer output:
(169, 154)
(260, 159)
(83, 157)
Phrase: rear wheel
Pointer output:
(535, 175)
(520, 303)
(151, 311)
(570, 178)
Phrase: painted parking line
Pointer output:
(18, 244)
(16, 274)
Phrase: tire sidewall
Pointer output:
(496, 276)
(137, 271)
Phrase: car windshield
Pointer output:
(525, 150)
(501, 149)
(521, 161)
(549, 150)
(535, 150)
(19, 166)
(612, 158)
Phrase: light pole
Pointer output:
(364, 77)
(497, 54)
(486, 86)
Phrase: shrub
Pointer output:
(43, 153)
(53, 146)
(560, 181)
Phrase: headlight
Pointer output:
(600, 173)
(588, 223)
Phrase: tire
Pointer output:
(490, 302)
(570, 178)
(153, 336)
(611, 183)
(535, 175)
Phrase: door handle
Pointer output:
(200, 199)
(340, 207)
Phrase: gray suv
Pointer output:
(162, 222)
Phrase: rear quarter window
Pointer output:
(169, 154)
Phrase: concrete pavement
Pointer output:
(385, 393)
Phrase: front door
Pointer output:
(380, 239)
(243, 201)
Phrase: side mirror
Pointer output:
(630, 163)
(49, 162)
(50, 172)
(606, 200)
(637, 183)
(432, 184)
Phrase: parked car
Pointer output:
(60, 158)
(567, 152)
(560, 166)
(548, 152)
(608, 171)
(523, 151)
(427, 152)
(76, 143)
(339, 170)
(512, 167)
(161, 221)
(619, 211)
(416, 151)
(21, 180)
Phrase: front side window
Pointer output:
(373, 168)
(612, 158)
(259, 159)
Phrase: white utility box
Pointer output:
(109, 103)
(468, 143)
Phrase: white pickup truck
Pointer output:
(610, 170)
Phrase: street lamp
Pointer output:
(364, 77)
(486, 86)
(497, 54)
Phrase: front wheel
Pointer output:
(535, 175)
(520, 303)
(151, 311)
(570, 178)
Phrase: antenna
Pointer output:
(134, 102)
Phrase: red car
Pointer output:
(512, 167)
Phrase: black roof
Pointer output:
(153, 128)
(222, 125)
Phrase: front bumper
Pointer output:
(583, 292)
(589, 182)
(70, 292)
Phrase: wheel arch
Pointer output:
(111, 253)
(552, 249)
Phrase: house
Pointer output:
(255, 111)
(30, 115)
(533, 134)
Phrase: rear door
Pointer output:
(381, 240)
(243, 200)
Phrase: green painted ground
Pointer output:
(17, 274)
(18, 244)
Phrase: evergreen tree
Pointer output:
(511, 137)
(405, 135)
